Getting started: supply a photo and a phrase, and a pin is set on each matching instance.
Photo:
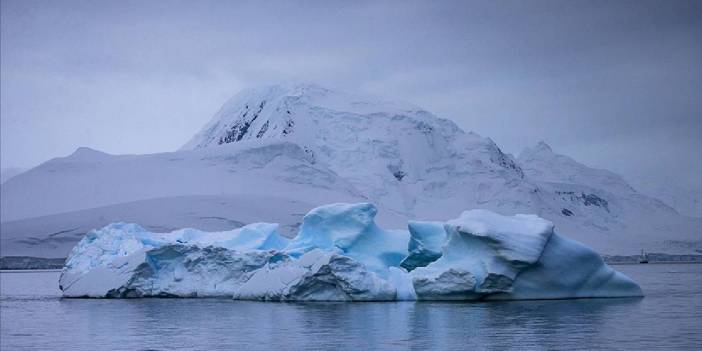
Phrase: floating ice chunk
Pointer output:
(340, 254)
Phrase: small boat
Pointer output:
(644, 257)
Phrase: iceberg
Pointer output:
(341, 254)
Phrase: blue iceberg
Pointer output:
(341, 254)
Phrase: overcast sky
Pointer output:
(614, 84)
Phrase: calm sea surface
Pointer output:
(34, 317)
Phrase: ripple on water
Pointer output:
(670, 316)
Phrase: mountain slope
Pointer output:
(301, 143)
(396, 154)
(585, 199)
(541, 163)
(88, 179)
(686, 201)
(7, 173)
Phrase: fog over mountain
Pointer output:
(233, 174)
(613, 85)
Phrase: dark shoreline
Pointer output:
(653, 258)
(28, 263)
(659, 262)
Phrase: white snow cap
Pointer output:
(278, 111)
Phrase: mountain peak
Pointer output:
(293, 109)
(541, 149)
(543, 146)
(85, 152)
(359, 137)
(541, 162)
(288, 88)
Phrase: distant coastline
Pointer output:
(653, 257)
(26, 263)
(30, 263)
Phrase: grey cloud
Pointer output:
(614, 84)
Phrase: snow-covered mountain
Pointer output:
(396, 154)
(684, 200)
(602, 202)
(280, 148)
(541, 163)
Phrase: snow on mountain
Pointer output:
(541, 163)
(88, 178)
(585, 199)
(305, 144)
(396, 154)
(686, 201)
(281, 110)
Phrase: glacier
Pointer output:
(341, 254)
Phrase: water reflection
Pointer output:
(215, 323)
(43, 321)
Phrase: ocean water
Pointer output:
(33, 316)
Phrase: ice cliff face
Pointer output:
(340, 254)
